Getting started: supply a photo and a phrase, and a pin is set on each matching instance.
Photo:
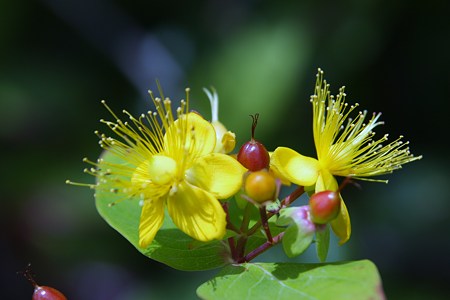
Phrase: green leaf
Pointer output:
(322, 243)
(347, 280)
(170, 246)
(296, 240)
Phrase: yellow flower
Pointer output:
(170, 162)
(344, 146)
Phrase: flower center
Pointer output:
(162, 169)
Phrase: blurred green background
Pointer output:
(58, 59)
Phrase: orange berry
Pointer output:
(260, 186)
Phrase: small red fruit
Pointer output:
(47, 293)
(253, 155)
(324, 206)
(42, 292)
(260, 186)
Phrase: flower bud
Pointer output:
(260, 186)
(225, 139)
(325, 206)
(300, 229)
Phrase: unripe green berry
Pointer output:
(325, 206)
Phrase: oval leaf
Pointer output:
(322, 243)
(349, 280)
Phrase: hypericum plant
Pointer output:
(167, 183)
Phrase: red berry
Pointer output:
(325, 206)
(42, 292)
(253, 155)
(47, 293)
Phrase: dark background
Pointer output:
(58, 59)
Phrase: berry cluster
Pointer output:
(260, 184)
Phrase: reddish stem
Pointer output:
(254, 123)
(284, 203)
(229, 224)
(264, 247)
(265, 223)
(232, 245)
(347, 180)
(238, 249)
(242, 241)
(292, 197)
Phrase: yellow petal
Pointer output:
(341, 225)
(196, 212)
(189, 134)
(277, 174)
(293, 166)
(152, 217)
(326, 181)
(217, 173)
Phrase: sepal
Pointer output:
(300, 229)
